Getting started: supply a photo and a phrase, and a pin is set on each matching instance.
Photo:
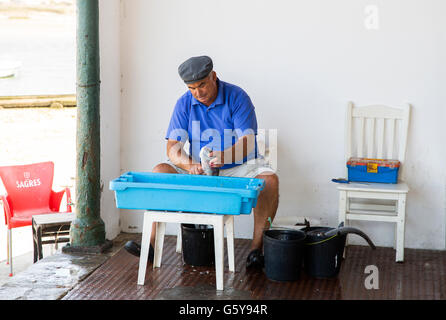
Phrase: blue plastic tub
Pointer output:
(186, 193)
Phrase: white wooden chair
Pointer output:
(161, 218)
(376, 132)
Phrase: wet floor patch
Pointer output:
(202, 292)
(54, 276)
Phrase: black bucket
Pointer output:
(198, 245)
(283, 251)
(323, 256)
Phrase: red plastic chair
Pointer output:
(29, 192)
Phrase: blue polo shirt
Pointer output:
(219, 126)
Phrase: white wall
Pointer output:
(110, 110)
(300, 61)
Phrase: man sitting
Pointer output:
(221, 117)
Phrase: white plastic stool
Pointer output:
(161, 218)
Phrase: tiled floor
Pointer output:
(421, 277)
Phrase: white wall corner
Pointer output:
(109, 31)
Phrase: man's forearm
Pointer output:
(240, 150)
(178, 156)
(234, 155)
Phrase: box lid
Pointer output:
(378, 162)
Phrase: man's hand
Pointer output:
(219, 159)
(196, 169)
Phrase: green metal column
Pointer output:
(88, 230)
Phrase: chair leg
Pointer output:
(7, 247)
(179, 240)
(10, 251)
(400, 234)
(159, 244)
(219, 252)
(395, 240)
(230, 242)
(145, 245)
(343, 212)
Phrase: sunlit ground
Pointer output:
(42, 38)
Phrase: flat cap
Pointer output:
(195, 69)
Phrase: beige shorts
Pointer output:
(249, 169)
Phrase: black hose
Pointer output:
(346, 230)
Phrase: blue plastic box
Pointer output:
(186, 193)
(373, 170)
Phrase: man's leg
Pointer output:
(266, 208)
(267, 205)
(161, 168)
(133, 247)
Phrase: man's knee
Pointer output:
(271, 181)
(164, 168)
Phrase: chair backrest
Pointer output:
(377, 131)
(28, 187)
